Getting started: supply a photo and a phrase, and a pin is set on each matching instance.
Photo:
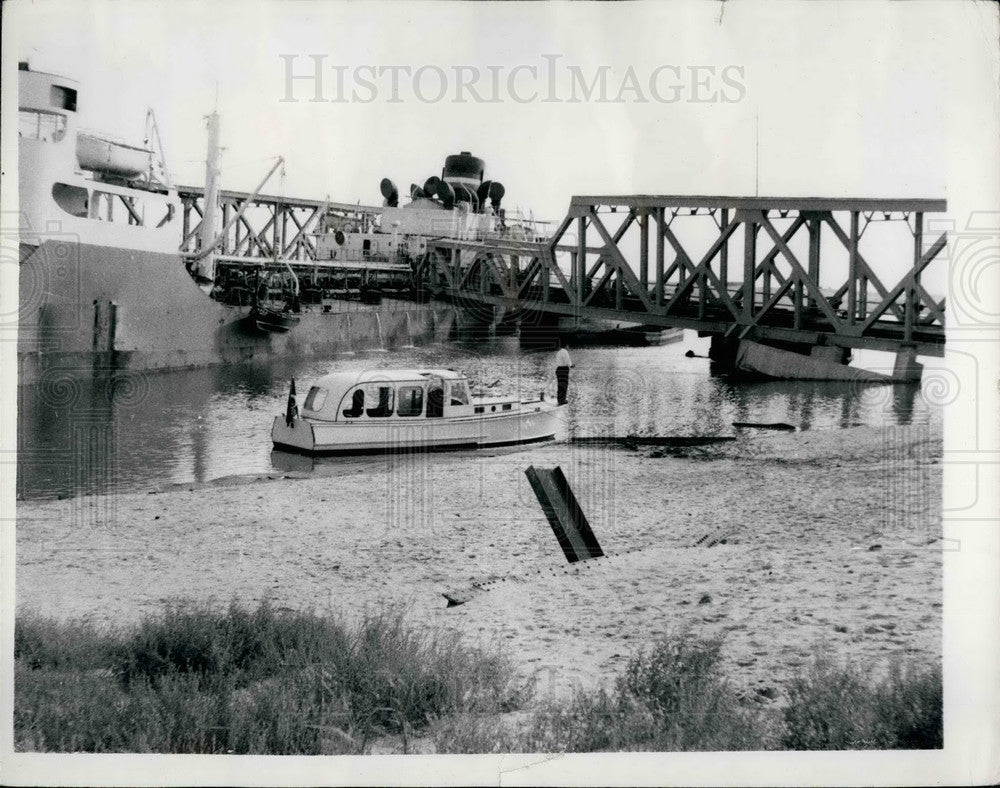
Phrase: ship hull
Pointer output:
(85, 306)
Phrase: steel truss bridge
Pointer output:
(633, 258)
(736, 267)
(271, 227)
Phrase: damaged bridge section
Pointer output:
(837, 273)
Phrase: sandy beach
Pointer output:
(830, 537)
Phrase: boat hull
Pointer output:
(85, 306)
(536, 421)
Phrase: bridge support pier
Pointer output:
(907, 369)
(722, 351)
(484, 320)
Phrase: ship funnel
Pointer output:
(431, 185)
(445, 193)
(497, 191)
(462, 193)
(390, 192)
(483, 192)
(464, 168)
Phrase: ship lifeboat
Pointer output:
(97, 154)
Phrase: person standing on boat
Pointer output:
(563, 363)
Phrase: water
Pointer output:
(141, 431)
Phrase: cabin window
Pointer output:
(44, 126)
(383, 396)
(315, 399)
(357, 404)
(63, 98)
(459, 394)
(411, 401)
(506, 407)
(435, 399)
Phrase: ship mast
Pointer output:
(206, 266)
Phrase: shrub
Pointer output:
(673, 698)
(44, 642)
(840, 708)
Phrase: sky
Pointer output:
(817, 101)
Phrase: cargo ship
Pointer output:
(112, 279)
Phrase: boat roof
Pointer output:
(338, 384)
(334, 381)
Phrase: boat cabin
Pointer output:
(377, 395)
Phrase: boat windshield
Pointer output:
(458, 393)
(315, 399)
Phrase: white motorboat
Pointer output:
(398, 409)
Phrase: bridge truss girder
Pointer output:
(269, 223)
(777, 294)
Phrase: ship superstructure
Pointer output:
(113, 276)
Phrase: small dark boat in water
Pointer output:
(270, 321)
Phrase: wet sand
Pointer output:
(831, 537)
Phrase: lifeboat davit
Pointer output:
(98, 154)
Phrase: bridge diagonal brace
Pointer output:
(443, 268)
(812, 287)
(907, 282)
(252, 238)
(935, 309)
(624, 269)
(471, 268)
(260, 235)
(555, 269)
(682, 258)
(608, 272)
(927, 257)
(558, 234)
(702, 268)
(498, 276)
(300, 236)
(775, 298)
(863, 265)
(530, 274)
(619, 234)
(193, 204)
(767, 262)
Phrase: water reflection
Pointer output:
(135, 431)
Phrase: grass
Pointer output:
(672, 698)
(198, 679)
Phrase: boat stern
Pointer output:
(297, 436)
